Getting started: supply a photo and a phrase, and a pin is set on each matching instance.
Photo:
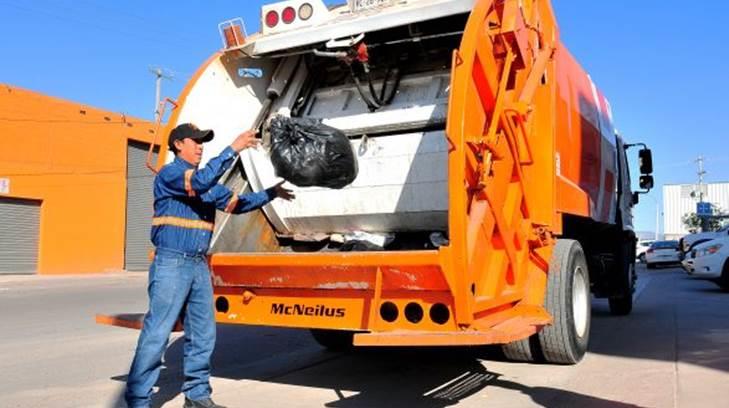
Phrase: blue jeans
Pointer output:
(177, 283)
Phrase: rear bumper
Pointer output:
(387, 298)
(655, 260)
(335, 290)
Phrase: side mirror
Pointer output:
(645, 158)
(636, 198)
(646, 182)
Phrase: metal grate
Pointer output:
(19, 230)
(139, 207)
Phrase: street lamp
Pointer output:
(658, 217)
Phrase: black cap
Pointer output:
(188, 130)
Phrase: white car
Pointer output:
(710, 260)
(688, 242)
(662, 253)
(641, 248)
(688, 262)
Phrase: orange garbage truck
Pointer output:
(493, 197)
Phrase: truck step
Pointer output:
(519, 323)
(129, 320)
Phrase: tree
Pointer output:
(693, 222)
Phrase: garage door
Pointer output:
(19, 227)
(139, 208)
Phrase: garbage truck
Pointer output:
(493, 190)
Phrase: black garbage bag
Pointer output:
(307, 153)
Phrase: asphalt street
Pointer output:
(673, 351)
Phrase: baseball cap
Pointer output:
(188, 130)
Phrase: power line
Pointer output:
(87, 122)
(68, 14)
(65, 173)
(150, 23)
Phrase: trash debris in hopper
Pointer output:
(307, 153)
(363, 241)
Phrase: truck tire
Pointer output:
(334, 340)
(621, 300)
(568, 301)
(525, 351)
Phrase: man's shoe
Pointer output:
(204, 403)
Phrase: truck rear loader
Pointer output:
(491, 178)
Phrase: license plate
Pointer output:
(358, 5)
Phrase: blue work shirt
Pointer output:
(185, 199)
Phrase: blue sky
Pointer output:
(662, 64)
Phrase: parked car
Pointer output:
(641, 247)
(710, 260)
(687, 263)
(662, 253)
(689, 242)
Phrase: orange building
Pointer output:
(70, 178)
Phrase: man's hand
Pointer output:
(283, 193)
(245, 140)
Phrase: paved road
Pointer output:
(673, 351)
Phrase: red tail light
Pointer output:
(650, 250)
(288, 15)
(272, 18)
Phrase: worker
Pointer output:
(185, 199)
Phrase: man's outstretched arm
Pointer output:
(196, 182)
(225, 200)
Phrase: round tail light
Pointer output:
(306, 11)
(271, 18)
(288, 15)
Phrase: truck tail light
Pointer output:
(288, 15)
(271, 18)
(292, 14)
(305, 11)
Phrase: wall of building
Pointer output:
(677, 201)
(72, 158)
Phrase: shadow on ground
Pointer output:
(400, 377)
(675, 319)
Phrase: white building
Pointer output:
(681, 199)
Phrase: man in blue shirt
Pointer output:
(185, 201)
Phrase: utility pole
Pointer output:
(658, 217)
(159, 74)
(658, 220)
(701, 173)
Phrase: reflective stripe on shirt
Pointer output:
(183, 223)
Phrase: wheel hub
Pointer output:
(580, 299)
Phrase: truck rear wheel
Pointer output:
(568, 301)
(334, 340)
(526, 350)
